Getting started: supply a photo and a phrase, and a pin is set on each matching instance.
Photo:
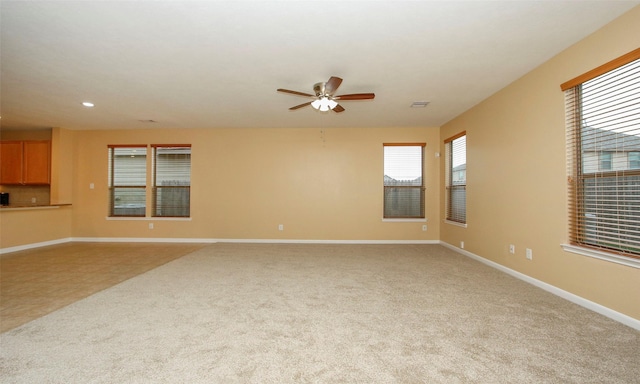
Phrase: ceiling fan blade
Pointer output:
(338, 108)
(356, 96)
(332, 85)
(300, 106)
(295, 92)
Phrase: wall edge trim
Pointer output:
(257, 241)
(204, 240)
(34, 245)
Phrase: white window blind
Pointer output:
(456, 178)
(404, 181)
(127, 180)
(171, 180)
(603, 140)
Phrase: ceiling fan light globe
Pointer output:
(325, 104)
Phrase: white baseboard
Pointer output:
(33, 245)
(139, 240)
(295, 241)
(581, 301)
(204, 241)
(257, 241)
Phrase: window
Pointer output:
(403, 181)
(634, 160)
(603, 118)
(606, 163)
(127, 180)
(456, 178)
(171, 180)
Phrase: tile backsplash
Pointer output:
(22, 195)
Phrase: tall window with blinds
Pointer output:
(404, 181)
(171, 180)
(456, 178)
(127, 180)
(603, 143)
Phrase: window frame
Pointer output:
(450, 188)
(580, 239)
(113, 185)
(157, 189)
(149, 181)
(388, 188)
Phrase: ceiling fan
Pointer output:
(324, 96)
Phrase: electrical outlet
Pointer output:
(424, 227)
(462, 244)
(150, 225)
(280, 227)
(512, 249)
(529, 254)
(33, 200)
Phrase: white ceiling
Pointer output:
(209, 64)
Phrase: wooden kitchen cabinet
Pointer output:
(37, 162)
(11, 162)
(25, 162)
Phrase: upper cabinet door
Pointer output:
(11, 162)
(25, 162)
(37, 159)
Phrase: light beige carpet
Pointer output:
(297, 313)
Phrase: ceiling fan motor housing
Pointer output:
(319, 89)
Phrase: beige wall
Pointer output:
(320, 184)
(516, 176)
(33, 226)
(62, 166)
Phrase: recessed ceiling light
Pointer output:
(87, 104)
(419, 104)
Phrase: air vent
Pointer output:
(419, 104)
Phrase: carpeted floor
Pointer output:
(38, 281)
(291, 313)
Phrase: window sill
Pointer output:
(457, 224)
(134, 218)
(629, 262)
(424, 220)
